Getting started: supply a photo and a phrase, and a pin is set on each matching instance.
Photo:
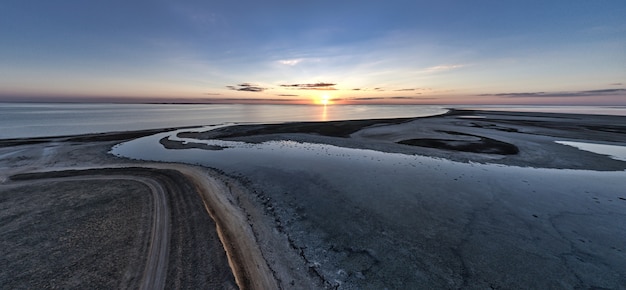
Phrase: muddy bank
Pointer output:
(85, 138)
(508, 138)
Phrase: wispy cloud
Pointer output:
(367, 98)
(246, 100)
(247, 87)
(589, 93)
(414, 98)
(369, 89)
(387, 98)
(313, 86)
(287, 95)
(616, 84)
(441, 68)
(290, 62)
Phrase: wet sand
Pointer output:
(328, 223)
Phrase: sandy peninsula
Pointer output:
(469, 199)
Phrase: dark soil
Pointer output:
(483, 145)
(104, 257)
(331, 129)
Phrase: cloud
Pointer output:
(413, 98)
(560, 94)
(616, 84)
(248, 100)
(368, 89)
(388, 98)
(247, 87)
(414, 89)
(290, 62)
(313, 86)
(320, 89)
(251, 99)
(367, 98)
(212, 94)
(287, 95)
(440, 68)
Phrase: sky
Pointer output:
(336, 52)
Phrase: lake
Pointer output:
(22, 120)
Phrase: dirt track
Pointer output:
(158, 251)
(183, 248)
(242, 264)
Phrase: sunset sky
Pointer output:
(422, 52)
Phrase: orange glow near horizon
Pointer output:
(323, 100)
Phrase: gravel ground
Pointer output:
(74, 234)
(96, 233)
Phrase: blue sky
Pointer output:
(467, 52)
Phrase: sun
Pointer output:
(325, 100)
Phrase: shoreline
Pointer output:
(245, 262)
(222, 197)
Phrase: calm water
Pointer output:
(38, 120)
(614, 151)
(590, 110)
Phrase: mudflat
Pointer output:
(469, 199)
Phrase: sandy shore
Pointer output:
(479, 211)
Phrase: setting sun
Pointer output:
(324, 100)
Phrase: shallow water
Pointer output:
(21, 120)
(289, 154)
(39, 120)
(369, 170)
(402, 214)
(614, 151)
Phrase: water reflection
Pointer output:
(614, 151)
(37, 120)
(291, 154)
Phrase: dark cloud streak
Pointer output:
(315, 85)
(247, 87)
(387, 98)
(589, 93)
(312, 87)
